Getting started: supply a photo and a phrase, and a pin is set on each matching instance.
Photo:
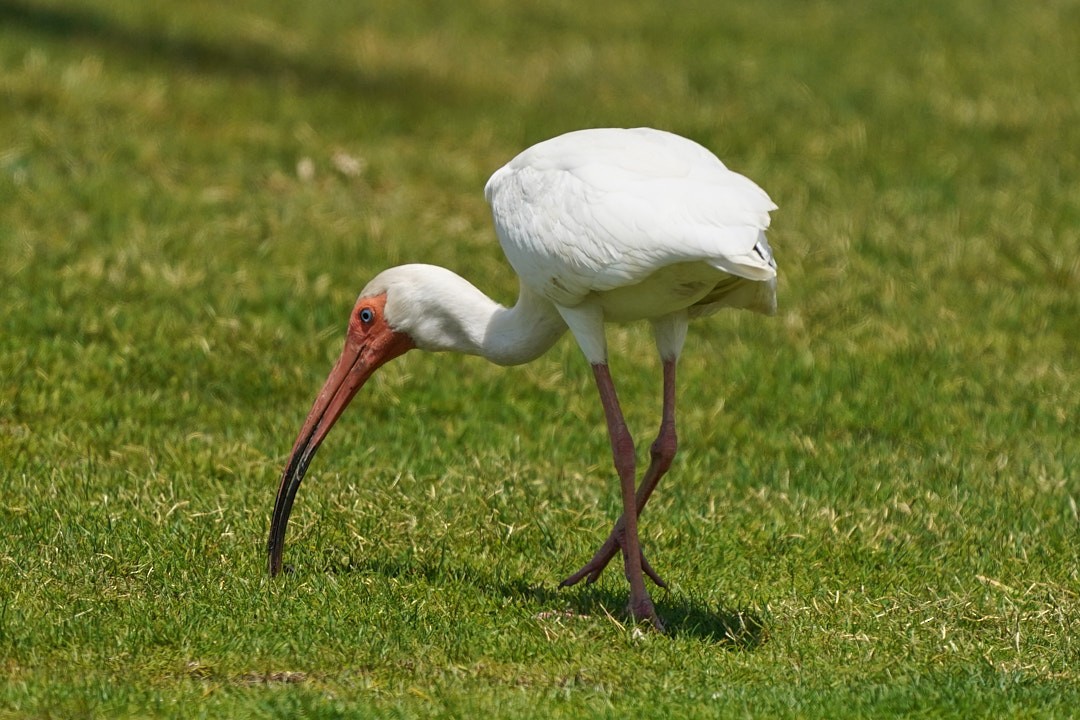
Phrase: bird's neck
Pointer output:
(521, 333)
(463, 319)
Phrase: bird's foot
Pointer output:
(643, 610)
(590, 571)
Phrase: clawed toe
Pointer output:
(648, 570)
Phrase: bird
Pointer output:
(601, 225)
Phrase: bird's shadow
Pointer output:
(683, 616)
(736, 629)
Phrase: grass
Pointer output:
(874, 510)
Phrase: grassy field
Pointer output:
(874, 510)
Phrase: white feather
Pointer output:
(594, 211)
(601, 226)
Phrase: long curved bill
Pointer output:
(360, 357)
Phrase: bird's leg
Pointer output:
(640, 606)
(661, 453)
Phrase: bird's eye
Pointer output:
(367, 315)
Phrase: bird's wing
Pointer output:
(599, 209)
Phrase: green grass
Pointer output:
(874, 509)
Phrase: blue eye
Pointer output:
(367, 315)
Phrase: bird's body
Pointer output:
(641, 222)
(604, 225)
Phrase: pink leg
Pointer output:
(662, 453)
(640, 606)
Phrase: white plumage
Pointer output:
(603, 225)
(596, 210)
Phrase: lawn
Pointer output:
(874, 511)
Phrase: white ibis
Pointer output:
(602, 225)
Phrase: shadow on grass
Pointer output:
(737, 629)
(734, 628)
(236, 56)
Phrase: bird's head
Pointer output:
(406, 307)
(372, 339)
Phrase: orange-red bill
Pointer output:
(366, 349)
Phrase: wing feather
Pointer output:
(594, 210)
